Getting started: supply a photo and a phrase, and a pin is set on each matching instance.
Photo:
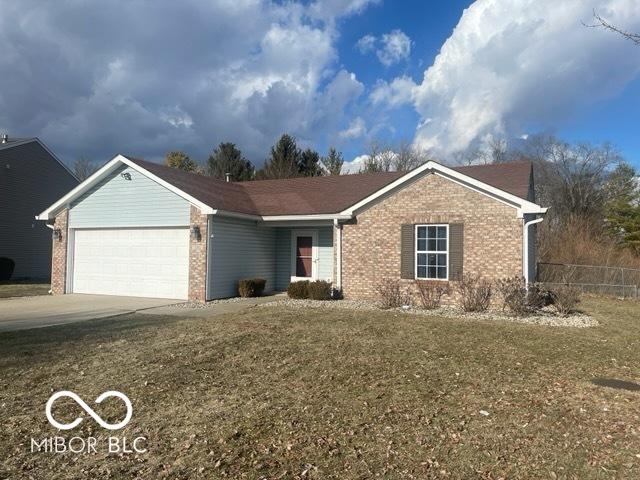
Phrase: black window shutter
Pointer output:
(407, 251)
(456, 250)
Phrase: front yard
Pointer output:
(287, 393)
(23, 289)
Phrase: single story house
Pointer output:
(31, 177)
(142, 229)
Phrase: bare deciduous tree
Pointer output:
(83, 168)
(401, 157)
(602, 23)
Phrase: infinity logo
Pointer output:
(89, 410)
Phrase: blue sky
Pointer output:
(94, 80)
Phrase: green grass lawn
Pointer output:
(23, 289)
(287, 393)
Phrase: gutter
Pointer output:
(525, 246)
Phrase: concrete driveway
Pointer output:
(33, 312)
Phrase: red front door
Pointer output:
(304, 256)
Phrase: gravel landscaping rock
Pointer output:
(547, 316)
(210, 303)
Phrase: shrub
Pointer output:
(252, 287)
(475, 293)
(298, 289)
(319, 290)
(516, 298)
(391, 294)
(430, 293)
(6, 268)
(565, 298)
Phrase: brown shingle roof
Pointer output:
(316, 195)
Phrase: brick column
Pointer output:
(198, 257)
(59, 254)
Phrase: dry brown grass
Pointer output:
(333, 394)
(23, 289)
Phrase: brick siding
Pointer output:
(198, 257)
(59, 254)
(371, 245)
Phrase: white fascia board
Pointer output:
(322, 216)
(243, 216)
(520, 204)
(106, 170)
(80, 189)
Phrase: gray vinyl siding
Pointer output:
(283, 258)
(240, 250)
(118, 202)
(283, 255)
(30, 181)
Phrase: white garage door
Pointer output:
(146, 262)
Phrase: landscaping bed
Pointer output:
(546, 316)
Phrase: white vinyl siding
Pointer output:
(135, 202)
(240, 249)
(432, 252)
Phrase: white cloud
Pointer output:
(196, 73)
(390, 48)
(513, 63)
(331, 9)
(396, 46)
(366, 44)
(355, 165)
(356, 129)
(397, 93)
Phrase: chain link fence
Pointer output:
(614, 281)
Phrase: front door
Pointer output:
(304, 258)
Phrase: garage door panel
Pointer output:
(132, 262)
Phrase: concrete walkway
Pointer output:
(20, 313)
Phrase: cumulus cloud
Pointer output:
(366, 44)
(356, 129)
(511, 64)
(91, 80)
(390, 48)
(396, 46)
(396, 93)
(355, 165)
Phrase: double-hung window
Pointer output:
(432, 252)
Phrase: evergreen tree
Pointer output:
(309, 164)
(181, 161)
(226, 158)
(283, 161)
(333, 162)
(622, 211)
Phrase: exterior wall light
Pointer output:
(126, 175)
(195, 233)
(57, 234)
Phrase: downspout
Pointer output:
(525, 253)
(338, 228)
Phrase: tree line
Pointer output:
(285, 160)
(593, 192)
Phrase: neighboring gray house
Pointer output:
(143, 229)
(31, 177)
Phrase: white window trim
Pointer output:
(314, 254)
(416, 251)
